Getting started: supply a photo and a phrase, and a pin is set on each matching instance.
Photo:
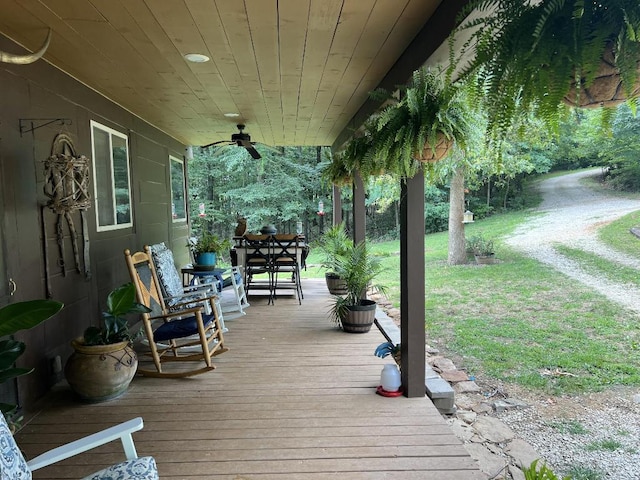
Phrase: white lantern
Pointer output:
(467, 217)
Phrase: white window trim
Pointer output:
(184, 188)
(111, 131)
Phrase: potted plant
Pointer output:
(540, 54)
(358, 268)
(333, 245)
(482, 249)
(357, 154)
(103, 362)
(13, 318)
(206, 248)
(388, 348)
(420, 127)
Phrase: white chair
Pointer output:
(13, 465)
(234, 306)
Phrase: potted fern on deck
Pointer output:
(333, 245)
(353, 312)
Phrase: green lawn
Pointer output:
(520, 321)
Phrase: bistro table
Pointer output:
(270, 250)
(240, 248)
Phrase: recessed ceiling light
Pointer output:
(196, 58)
(231, 114)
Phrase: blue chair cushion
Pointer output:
(183, 327)
(143, 468)
(170, 280)
(12, 464)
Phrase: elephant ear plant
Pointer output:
(115, 329)
(13, 318)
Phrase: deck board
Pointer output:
(294, 398)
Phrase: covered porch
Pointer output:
(293, 398)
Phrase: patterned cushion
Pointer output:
(12, 464)
(143, 468)
(168, 275)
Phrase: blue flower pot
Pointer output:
(207, 259)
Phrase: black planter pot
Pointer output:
(359, 318)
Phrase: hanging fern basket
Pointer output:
(432, 155)
(606, 90)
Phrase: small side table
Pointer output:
(202, 276)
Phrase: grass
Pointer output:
(609, 445)
(572, 427)
(593, 263)
(520, 321)
(579, 472)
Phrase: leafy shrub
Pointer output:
(436, 217)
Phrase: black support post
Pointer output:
(412, 289)
(359, 212)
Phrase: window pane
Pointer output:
(103, 181)
(121, 180)
(111, 178)
(178, 204)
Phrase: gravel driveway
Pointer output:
(570, 215)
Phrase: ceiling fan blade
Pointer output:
(216, 143)
(253, 152)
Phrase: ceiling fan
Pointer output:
(240, 139)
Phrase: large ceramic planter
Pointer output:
(335, 284)
(100, 372)
(359, 318)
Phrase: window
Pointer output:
(111, 181)
(178, 203)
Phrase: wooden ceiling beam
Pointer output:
(426, 42)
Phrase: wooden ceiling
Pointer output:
(298, 72)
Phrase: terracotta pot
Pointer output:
(606, 90)
(359, 318)
(100, 372)
(335, 284)
(443, 145)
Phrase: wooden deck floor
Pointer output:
(294, 398)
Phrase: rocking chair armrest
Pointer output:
(194, 301)
(203, 287)
(121, 431)
(191, 295)
(169, 315)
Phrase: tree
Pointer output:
(280, 188)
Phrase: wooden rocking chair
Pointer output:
(169, 331)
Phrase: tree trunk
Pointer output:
(457, 247)
(489, 191)
(506, 195)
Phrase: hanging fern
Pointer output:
(537, 55)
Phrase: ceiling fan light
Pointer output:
(196, 58)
